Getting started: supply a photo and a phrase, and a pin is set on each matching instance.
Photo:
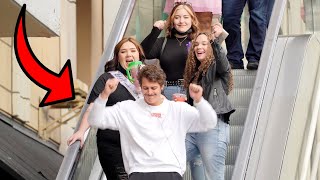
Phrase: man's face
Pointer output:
(151, 92)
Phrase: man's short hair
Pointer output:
(153, 74)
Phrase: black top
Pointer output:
(120, 94)
(173, 58)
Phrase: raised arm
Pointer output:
(152, 44)
(105, 117)
(223, 67)
(203, 117)
(84, 126)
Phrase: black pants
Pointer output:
(109, 152)
(155, 176)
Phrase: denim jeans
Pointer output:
(206, 152)
(170, 90)
(231, 15)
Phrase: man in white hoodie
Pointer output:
(153, 129)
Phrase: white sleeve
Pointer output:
(203, 117)
(103, 117)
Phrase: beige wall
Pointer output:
(68, 46)
(96, 35)
(20, 98)
(84, 40)
(5, 75)
(110, 9)
(83, 29)
(89, 37)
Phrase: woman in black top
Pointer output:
(108, 141)
(172, 50)
(181, 26)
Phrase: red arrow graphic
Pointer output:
(59, 86)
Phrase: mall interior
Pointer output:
(273, 133)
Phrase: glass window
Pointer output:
(301, 17)
(145, 13)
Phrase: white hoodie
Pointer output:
(153, 137)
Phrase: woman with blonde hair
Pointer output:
(172, 50)
(208, 11)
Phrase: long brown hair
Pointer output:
(112, 64)
(194, 20)
(191, 72)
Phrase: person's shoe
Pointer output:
(236, 66)
(253, 65)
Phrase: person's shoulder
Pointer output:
(127, 103)
(127, 106)
(104, 76)
(178, 104)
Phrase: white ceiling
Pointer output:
(9, 11)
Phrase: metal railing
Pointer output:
(244, 151)
(71, 158)
(313, 143)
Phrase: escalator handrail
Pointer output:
(116, 34)
(243, 156)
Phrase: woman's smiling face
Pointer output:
(182, 20)
(201, 46)
(128, 53)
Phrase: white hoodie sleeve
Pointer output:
(203, 117)
(103, 117)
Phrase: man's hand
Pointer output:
(160, 24)
(195, 92)
(109, 88)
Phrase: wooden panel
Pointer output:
(21, 107)
(34, 117)
(55, 134)
(37, 92)
(49, 54)
(5, 103)
(20, 82)
(37, 95)
(5, 74)
(5, 60)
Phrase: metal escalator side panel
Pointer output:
(277, 108)
(299, 145)
(243, 156)
(70, 161)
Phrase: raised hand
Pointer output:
(195, 92)
(110, 87)
(160, 24)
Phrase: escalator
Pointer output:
(83, 164)
(280, 133)
(266, 101)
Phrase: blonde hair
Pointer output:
(194, 20)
